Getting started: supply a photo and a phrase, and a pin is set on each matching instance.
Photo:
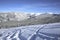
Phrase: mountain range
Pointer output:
(13, 19)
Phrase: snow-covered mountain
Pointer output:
(32, 32)
(13, 19)
(12, 16)
(18, 16)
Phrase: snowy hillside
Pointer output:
(33, 32)
(14, 19)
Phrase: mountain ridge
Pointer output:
(22, 19)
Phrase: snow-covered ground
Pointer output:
(33, 32)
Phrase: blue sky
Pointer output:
(30, 5)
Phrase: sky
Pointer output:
(30, 5)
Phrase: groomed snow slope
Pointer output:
(33, 32)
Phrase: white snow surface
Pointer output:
(32, 32)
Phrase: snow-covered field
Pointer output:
(33, 32)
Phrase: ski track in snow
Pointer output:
(33, 32)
